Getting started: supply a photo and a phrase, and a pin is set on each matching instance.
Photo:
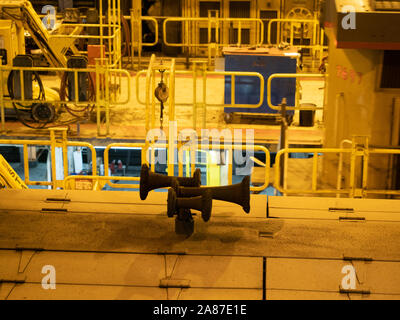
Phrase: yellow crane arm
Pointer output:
(8, 177)
(22, 12)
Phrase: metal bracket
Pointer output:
(174, 283)
(359, 272)
(352, 219)
(341, 210)
(16, 281)
(54, 210)
(365, 259)
(266, 234)
(51, 200)
(354, 291)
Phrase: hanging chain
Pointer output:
(162, 102)
(161, 93)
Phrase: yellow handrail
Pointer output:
(232, 74)
(75, 71)
(315, 151)
(170, 161)
(103, 98)
(52, 143)
(352, 190)
(150, 44)
(145, 149)
(314, 42)
(286, 76)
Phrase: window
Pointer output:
(390, 77)
(267, 15)
(239, 9)
(207, 5)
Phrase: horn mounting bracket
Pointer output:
(184, 223)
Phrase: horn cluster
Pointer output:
(185, 194)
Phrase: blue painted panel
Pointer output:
(247, 88)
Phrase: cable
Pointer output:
(28, 110)
(127, 37)
(17, 106)
(64, 96)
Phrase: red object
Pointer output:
(94, 52)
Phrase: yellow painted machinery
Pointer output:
(8, 177)
(86, 79)
(52, 45)
(34, 108)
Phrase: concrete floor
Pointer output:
(111, 245)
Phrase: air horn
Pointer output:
(150, 181)
(238, 193)
(201, 203)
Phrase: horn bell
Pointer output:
(238, 193)
(150, 181)
(202, 203)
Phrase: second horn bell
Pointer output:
(202, 203)
(150, 181)
(238, 193)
